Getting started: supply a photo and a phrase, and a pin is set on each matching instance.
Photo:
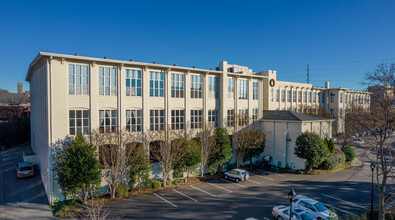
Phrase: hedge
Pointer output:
(122, 190)
(333, 161)
(156, 184)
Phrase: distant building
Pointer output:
(20, 88)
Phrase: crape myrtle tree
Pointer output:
(168, 149)
(380, 123)
(115, 155)
(249, 139)
(309, 146)
(77, 168)
(208, 145)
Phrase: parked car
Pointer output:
(281, 212)
(314, 208)
(24, 169)
(237, 175)
(358, 141)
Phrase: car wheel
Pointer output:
(237, 180)
(279, 218)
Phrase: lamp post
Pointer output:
(291, 196)
(372, 166)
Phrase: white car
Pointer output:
(281, 212)
(358, 141)
(314, 208)
(237, 175)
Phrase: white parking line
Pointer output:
(341, 210)
(271, 172)
(185, 195)
(261, 176)
(164, 200)
(203, 191)
(345, 201)
(266, 218)
(233, 183)
(219, 187)
(254, 181)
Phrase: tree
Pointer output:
(224, 153)
(249, 143)
(257, 145)
(77, 168)
(139, 166)
(115, 156)
(380, 123)
(310, 147)
(208, 145)
(192, 158)
(168, 149)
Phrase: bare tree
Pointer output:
(167, 147)
(115, 155)
(379, 122)
(208, 145)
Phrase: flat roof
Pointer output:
(286, 115)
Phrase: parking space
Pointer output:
(252, 199)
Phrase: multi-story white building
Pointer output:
(72, 94)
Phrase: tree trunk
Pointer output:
(85, 194)
(202, 169)
(165, 176)
(381, 204)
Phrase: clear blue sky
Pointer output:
(341, 40)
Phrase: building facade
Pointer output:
(72, 94)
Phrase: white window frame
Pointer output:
(243, 117)
(157, 119)
(78, 80)
(196, 118)
(231, 88)
(133, 76)
(177, 119)
(109, 122)
(213, 117)
(196, 86)
(134, 120)
(177, 85)
(230, 118)
(107, 83)
(255, 90)
(74, 122)
(243, 88)
(156, 84)
(213, 82)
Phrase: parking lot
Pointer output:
(348, 192)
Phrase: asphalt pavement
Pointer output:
(21, 198)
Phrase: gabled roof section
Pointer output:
(286, 115)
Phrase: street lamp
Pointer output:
(372, 166)
(291, 196)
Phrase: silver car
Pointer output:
(237, 175)
(24, 169)
(281, 212)
(314, 208)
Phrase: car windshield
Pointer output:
(320, 207)
(306, 216)
(25, 168)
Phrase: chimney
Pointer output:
(20, 87)
(326, 85)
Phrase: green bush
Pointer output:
(156, 184)
(148, 184)
(333, 161)
(122, 190)
(168, 183)
(175, 182)
(309, 146)
(329, 145)
(59, 207)
(350, 153)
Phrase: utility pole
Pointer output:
(308, 74)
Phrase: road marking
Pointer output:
(344, 201)
(341, 210)
(262, 177)
(203, 191)
(220, 187)
(266, 218)
(164, 200)
(185, 195)
(233, 183)
(271, 172)
(254, 181)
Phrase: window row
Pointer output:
(294, 96)
(79, 83)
